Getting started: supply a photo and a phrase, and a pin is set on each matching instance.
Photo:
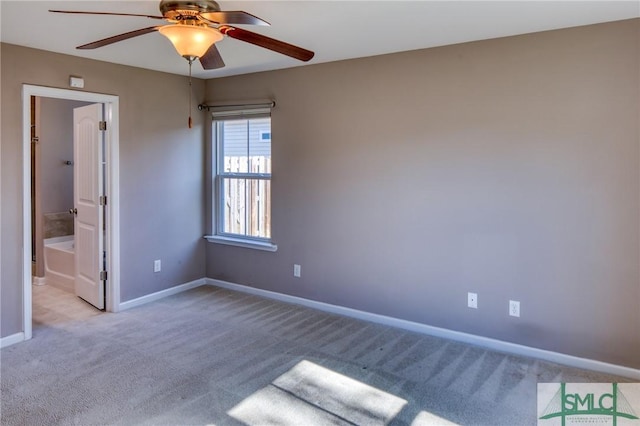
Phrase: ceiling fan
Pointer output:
(194, 26)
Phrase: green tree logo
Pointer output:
(613, 404)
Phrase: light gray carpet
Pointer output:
(213, 356)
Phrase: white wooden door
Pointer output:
(88, 157)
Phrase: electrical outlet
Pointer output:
(157, 266)
(472, 300)
(297, 271)
(514, 308)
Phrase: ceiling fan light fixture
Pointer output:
(191, 41)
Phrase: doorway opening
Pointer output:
(106, 169)
(68, 227)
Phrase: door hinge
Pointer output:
(103, 125)
(103, 200)
(103, 275)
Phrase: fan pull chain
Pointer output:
(190, 90)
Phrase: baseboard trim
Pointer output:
(39, 281)
(161, 294)
(486, 342)
(11, 340)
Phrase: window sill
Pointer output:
(238, 242)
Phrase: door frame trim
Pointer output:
(112, 217)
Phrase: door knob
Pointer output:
(73, 211)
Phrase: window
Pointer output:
(265, 136)
(242, 194)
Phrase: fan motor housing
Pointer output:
(172, 9)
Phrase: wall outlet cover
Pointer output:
(472, 300)
(514, 308)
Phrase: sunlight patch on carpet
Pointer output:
(309, 393)
(425, 418)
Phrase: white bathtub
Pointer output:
(59, 262)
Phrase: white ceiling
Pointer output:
(335, 30)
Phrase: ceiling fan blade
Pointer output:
(267, 42)
(105, 13)
(212, 59)
(233, 17)
(117, 38)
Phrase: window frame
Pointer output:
(219, 177)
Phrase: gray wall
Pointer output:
(161, 171)
(507, 167)
(56, 146)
